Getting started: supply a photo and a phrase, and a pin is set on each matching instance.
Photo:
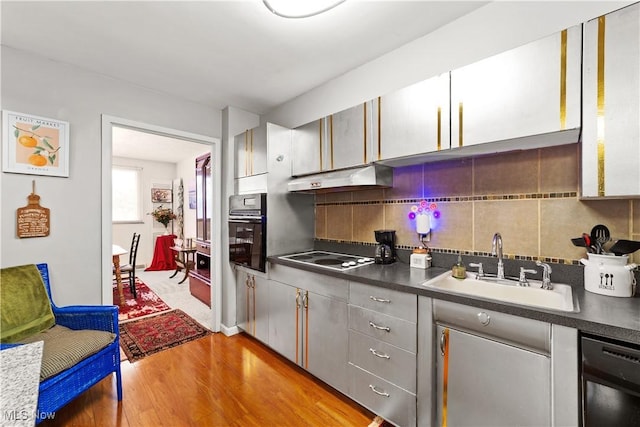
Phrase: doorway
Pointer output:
(111, 125)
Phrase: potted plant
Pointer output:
(164, 216)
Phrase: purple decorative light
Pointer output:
(424, 207)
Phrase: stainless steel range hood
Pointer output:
(360, 178)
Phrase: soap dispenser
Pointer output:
(459, 271)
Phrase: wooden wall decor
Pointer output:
(33, 220)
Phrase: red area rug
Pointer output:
(147, 303)
(150, 335)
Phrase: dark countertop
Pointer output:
(613, 317)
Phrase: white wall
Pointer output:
(46, 88)
(491, 29)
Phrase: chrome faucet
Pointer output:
(546, 275)
(496, 250)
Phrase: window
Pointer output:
(126, 193)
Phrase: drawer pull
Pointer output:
(381, 393)
(376, 299)
(484, 318)
(380, 355)
(382, 328)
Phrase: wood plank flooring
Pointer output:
(213, 381)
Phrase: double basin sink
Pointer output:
(560, 298)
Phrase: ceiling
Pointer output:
(220, 53)
(133, 144)
(216, 53)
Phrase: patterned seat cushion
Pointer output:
(64, 347)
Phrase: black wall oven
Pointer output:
(248, 230)
(610, 382)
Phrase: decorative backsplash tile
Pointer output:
(530, 197)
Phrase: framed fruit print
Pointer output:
(34, 145)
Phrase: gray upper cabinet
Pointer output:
(611, 105)
(532, 90)
(251, 152)
(349, 137)
(309, 148)
(413, 120)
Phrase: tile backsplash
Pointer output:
(530, 197)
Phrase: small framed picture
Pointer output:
(34, 145)
(192, 199)
(161, 195)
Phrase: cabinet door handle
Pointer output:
(443, 342)
(375, 390)
(381, 328)
(297, 299)
(376, 299)
(380, 355)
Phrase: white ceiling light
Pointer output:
(300, 9)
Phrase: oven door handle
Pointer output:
(235, 218)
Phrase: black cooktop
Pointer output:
(330, 260)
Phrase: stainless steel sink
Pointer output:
(559, 298)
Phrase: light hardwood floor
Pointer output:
(213, 381)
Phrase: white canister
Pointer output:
(420, 261)
(609, 275)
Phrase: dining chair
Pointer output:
(130, 267)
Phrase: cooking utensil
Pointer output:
(624, 247)
(586, 239)
(599, 236)
(578, 241)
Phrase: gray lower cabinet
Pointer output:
(282, 320)
(382, 352)
(252, 307)
(309, 327)
(326, 345)
(483, 380)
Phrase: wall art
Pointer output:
(161, 195)
(34, 145)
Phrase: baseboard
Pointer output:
(229, 331)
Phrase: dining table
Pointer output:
(116, 251)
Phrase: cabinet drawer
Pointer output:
(515, 330)
(204, 248)
(200, 289)
(383, 300)
(392, 403)
(392, 330)
(318, 283)
(384, 360)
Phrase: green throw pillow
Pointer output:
(24, 305)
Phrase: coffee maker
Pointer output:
(386, 247)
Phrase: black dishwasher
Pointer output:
(610, 382)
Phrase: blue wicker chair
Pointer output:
(60, 389)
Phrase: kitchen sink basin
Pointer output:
(559, 298)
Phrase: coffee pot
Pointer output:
(386, 247)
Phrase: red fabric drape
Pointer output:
(163, 257)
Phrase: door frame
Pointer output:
(106, 217)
